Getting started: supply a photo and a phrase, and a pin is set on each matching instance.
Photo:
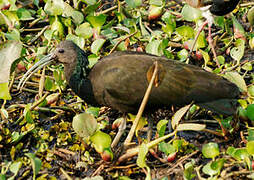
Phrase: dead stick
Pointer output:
(142, 106)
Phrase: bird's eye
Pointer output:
(61, 50)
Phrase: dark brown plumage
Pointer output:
(120, 80)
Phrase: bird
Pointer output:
(119, 81)
(210, 8)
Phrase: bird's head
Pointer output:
(66, 53)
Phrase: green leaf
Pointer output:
(207, 169)
(189, 171)
(154, 47)
(93, 110)
(96, 21)
(84, 124)
(251, 90)
(237, 79)
(191, 14)
(97, 45)
(57, 27)
(237, 52)
(250, 147)
(77, 17)
(28, 114)
(134, 3)
(84, 30)
(36, 163)
(240, 154)
(247, 66)
(250, 15)
(4, 91)
(14, 168)
(55, 7)
(250, 112)
(182, 55)
(89, 2)
(141, 160)
(101, 141)
(93, 59)
(210, 150)
(161, 127)
(24, 14)
(9, 53)
(186, 32)
(156, 2)
(167, 148)
(250, 135)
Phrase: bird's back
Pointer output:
(120, 81)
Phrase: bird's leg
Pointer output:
(196, 37)
(120, 132)
(142, 106)
(210, 41)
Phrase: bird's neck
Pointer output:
(77, 77)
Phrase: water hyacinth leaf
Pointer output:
(161, 127)
(182, 55)
(156, 2)
(80, 41)
(238, 29)
(84, 124)
(101, 141)
(250, 135)
(96, 21)
(240, 154)
(250, 147)
(97, 45)
(250, 15)
(178, 116)
(167, 148)
(55, 7)
(186, 32)
(237, 79)
(154, 12)
(141, 160)
(190, 127)
(250, 112)
(24, 14)
(153, 47)
(207, 169)
(191, 14)
(210, 150)
(84, 30)
(133, 3)
(205, 56)
(89, 2)
(14, 168)
(57, 27)
(93, 59)
(237, 52)
(36, 163)
(4, 91)
(93, 110)
(247, 66)
(189, 171)
(10, 51)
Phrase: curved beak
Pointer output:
(37, 66)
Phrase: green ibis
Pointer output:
(119, 81)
